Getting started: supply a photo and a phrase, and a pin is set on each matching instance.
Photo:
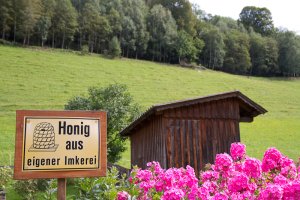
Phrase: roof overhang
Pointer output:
(248, 108)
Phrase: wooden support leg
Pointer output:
(61, 188)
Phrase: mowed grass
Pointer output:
(46, 79)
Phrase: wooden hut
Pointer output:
(189, 132)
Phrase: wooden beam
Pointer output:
(246, 119)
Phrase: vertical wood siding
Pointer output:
(190, 135)
(195, 134)
(147, 143)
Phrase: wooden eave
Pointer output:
(248, 108)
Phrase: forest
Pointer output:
(170, 31)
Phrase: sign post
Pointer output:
(60, 144)
(61, 188)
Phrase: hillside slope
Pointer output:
(46, 79)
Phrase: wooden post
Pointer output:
(61, 188)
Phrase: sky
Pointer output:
(285, 13)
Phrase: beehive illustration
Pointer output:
(43, 138)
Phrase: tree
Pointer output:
(289, 52)
(91, 21)
(5, 15)
(64, 21)
(44, 22)
(258, 18)
(128, 36)
(17, 7)
(182, 12)
(121, 110)
(187, 47)
(134, 36)
(237, 58)
(226, 24)
(264, 55)
(163, 31)
(115, 21)
(30, 14)
(213, 52)
(114, 47)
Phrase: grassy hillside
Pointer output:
(46, 79)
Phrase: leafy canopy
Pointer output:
(120, 107)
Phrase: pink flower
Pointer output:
(211, 187)
(271, 192)
(173, 194)
(280, 180)
(237, 151)
(238, 166)
(252, 167)
(223, 162)
(209, 176)
(123, 195)
(146, 185)
(238, 183)
(220, 196)
(203, 193)
(276, 177)
(155, 167)
(291, 191)
(271, 160)
(144, 175)
(288, 168)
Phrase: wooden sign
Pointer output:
(60, 144)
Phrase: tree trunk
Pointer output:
(15, 28)
(3, 31)
(80, 40)
(209, 64)
(63, 41)
(28, 39)
(89, 43)
(159, 52)
(42, 42)
(52, 38)
(95, 43)
(24, 40)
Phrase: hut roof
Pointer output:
(248, 108)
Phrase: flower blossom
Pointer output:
(237, 151)
(252, 167)
(123, 195)
(173, 194)
(223, 162)
(271, 159)
(238, 183)
(271, 192)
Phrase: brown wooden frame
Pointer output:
(101, 171)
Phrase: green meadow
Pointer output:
(33, 78)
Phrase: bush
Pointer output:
(84, 50)
(104, 188)
(116, 100)
(114, 47)
(5, 42)
(5, 177)
(234, 176)
(28, 189)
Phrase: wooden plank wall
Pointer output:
(195, 134)
(147, 143)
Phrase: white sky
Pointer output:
(284, 13)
